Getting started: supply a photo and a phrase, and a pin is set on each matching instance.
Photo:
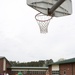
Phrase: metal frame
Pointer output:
(50, 11)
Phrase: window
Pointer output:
(64, 72)
(55, 72)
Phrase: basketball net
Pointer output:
(43, 22)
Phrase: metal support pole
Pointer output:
(55, 6)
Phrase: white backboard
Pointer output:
(42, 6)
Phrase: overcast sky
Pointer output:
(20, 37)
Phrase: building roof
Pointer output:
(1, 57)
(5, 59)
(29, 67)
(72, 60)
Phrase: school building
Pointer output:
(65, 67)
(6, 67)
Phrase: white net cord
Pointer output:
(43, 22)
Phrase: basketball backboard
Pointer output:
(43, 6)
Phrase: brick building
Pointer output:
(4, 64)
(65, 67)
(5, 67)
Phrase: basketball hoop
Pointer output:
(43, 22)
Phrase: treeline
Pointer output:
(39, 63)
